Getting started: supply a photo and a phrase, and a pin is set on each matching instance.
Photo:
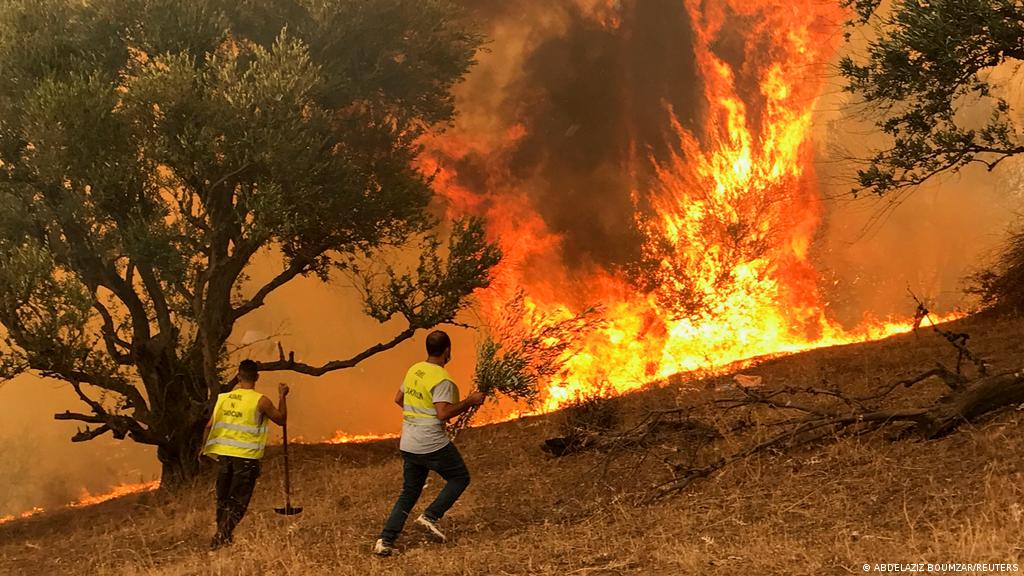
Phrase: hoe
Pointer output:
(288, 509)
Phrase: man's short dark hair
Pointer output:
(437, 343)
(248, 370)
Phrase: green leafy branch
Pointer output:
(524, 349)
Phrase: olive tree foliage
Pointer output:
(939, 77)
(149, 149)
(926, 64)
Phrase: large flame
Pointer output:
(728, 218)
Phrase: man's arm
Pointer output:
(446, 410)
(400, 398)
(277, 415)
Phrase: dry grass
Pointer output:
(820, 510)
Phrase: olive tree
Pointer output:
(150, 149)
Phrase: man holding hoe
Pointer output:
(428, 398)
(236, 436)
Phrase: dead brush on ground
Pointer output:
(588, 417)
(750, 421)
(594, 411)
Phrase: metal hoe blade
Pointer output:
(289, 510)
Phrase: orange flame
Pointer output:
(346, 438)
(23, 515)
(729, 218)
(88, 499)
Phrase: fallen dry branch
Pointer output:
(966, 402)
(958, 340)
(755, 420)
(791, 417)
(672, 430)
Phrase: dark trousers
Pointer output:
(448, 463)
(236, 480)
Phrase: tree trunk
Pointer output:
(180, 456)
(181, 418)
(977, 399)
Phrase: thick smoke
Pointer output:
(590, 94)
(595, 96)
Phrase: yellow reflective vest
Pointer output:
(239, 428)
(418, 387)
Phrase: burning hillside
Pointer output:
(677, 190)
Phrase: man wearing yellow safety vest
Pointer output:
(236, 436)
(428, 398)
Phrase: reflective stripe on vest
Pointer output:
(418, 387)
(233, 443)
(239, 429)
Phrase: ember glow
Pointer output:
(727, 218)
(21, 516)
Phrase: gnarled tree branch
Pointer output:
(290, 364)
(159, 300)
(117, 348)
(297, 267)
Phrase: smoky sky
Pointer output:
(593, 100)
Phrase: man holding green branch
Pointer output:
(428, 398)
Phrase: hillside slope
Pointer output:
(825, 509)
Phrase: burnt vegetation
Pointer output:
(588, 417)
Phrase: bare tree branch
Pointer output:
(110, 337)
(119, 426)
(297, 267)
(87, 418)
(159, 300)
(953, 380)
(97, 408)
(90, 433)
(290, 364)
(245, 166)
